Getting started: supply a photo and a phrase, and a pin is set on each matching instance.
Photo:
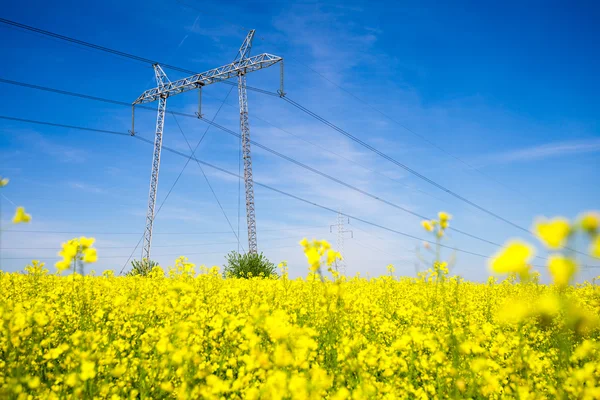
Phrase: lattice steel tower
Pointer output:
(241, 65)
(340, 265)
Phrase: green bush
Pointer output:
(142, 267)
(248, 265)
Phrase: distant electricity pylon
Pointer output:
(241, 65)
(340, 265)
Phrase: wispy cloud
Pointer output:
(544, 151)
(86, 187)
(61, 152)
(37, 142)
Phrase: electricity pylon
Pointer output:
(242, 65)
(340, 265)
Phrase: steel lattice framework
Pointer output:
(340, 265)
(242, 65)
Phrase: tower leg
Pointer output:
(161, 80)
(246, 155)
(160, 122)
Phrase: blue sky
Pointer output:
(510, 89)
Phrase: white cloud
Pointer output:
(544, 151)
(86, 187)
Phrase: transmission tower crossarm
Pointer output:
(246, 47)
(243, 66)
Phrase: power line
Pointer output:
(417, 174)
(116, 102)
(118, 52)
(179, 176)
(164, 245)
(401, 165)
(309, 201)
(181, 154)
(157, 255)
(302, 165)
(160, 233)
(267, 148)
(350, 93)
(81, 128)
(295, 104)
(193, 152)
(149, 61)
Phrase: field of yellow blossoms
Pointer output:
(191, 333)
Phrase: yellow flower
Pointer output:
(427, 225)
(34, 382)
(304, 243)
(314, 258)
(69, 250)
(390, 268)
(90, 255)
(88, 370)
(62, 265)
(3, 181)
(514, 257)
(21, 216)
(595, 248)
(562, 269)
(590, 221)
(333, 255)
(553, 233)
(86, 242)
(444, 216)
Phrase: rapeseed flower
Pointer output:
(3, 181)
(514, 258)
(590, 222)
(562, 269)
(333, 256)
(75, 251)
(375, 337)
(444, 219)
(90, 255)
(595, 247)
(427, 225)
(21, 216)
(553, 233)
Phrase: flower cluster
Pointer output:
(205, 336)
(36, 268)
(438, 226)
(555, 307)
(76, 251)
(20, 215)
(316, 250)
(200, 335)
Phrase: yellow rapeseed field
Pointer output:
(191, 333)
(205, 336)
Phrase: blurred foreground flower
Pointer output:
(595, 248)
(21, 216)
(590, 222)
(562, 269)
(76, 251)
(553, 233)
(514, 258)
(315, 250)
(427, 225)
